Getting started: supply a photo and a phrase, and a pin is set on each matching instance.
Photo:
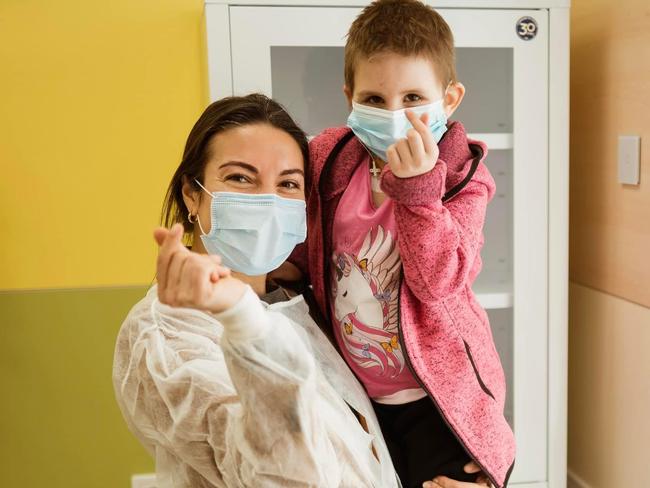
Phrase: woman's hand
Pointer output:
(418, 153)
(192, 280)
(444, 482)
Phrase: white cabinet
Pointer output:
(513, 58)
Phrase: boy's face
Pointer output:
(392, 82)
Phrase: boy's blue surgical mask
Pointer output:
(254, 234)
(378, 128)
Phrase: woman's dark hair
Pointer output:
(221, 115)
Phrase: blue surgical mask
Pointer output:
(254, 234)
(377, 128)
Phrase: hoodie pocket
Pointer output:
(478, 375)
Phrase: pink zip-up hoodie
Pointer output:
(444, 331)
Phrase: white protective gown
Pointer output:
(253, 397)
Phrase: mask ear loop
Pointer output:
(204, 188)
(445, 93)
(196, 220)
(196, 217)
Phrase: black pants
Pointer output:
(420, 443)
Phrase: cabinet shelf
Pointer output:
(495, 141)
(493, 292)
(495, 296)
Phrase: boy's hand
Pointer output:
(192, 280)
(418, 153)
(444, 482)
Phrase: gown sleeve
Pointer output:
(231, 397)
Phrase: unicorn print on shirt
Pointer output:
(365, 303)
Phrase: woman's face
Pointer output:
(256, 159)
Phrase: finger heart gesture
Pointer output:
(192, 280)
(417, 153)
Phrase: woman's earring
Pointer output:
(194, 219)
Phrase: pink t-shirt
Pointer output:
(364, 289)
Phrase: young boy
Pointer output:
(395, 217)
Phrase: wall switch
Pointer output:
(629, 159)
(143, 481)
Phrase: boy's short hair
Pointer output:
(406, 27)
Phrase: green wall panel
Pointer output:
(59, 423)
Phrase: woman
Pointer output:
(223, 376)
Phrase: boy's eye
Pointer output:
(374, 100)
(412, 97)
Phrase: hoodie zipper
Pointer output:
(423, 386)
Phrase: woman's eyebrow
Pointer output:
(246, 166)
(292, 171)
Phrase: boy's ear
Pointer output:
(454, 95)
(348, 94)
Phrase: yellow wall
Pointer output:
(97, 100)
(609, 322)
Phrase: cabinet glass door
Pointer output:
(295, 54)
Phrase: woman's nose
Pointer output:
(267, 189)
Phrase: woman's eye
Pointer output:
(238, 178)
(413, 97)
(290, 185)
(374, 100)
